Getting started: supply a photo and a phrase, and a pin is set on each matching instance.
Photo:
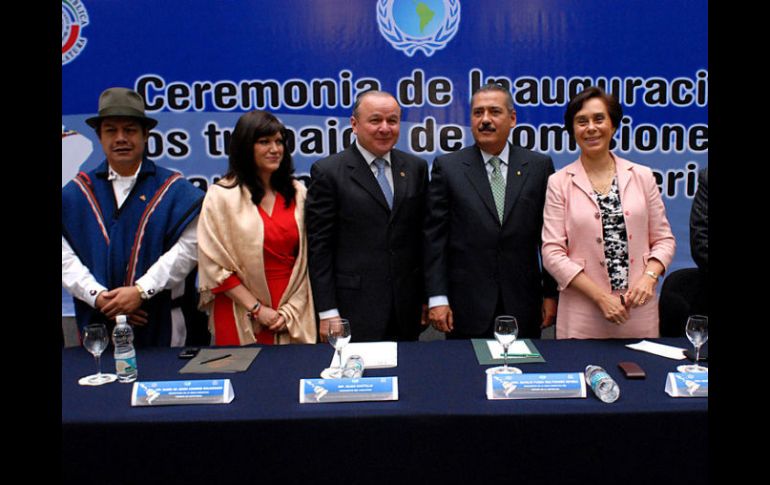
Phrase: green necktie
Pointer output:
(498, 187)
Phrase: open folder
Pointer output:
(221, 359)
(520, 352)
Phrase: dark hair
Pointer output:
(250, 127)
(576, 104)
(498, 88)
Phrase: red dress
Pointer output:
(279, 252)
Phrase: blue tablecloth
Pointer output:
(442, 426)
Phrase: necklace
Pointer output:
(603, 182)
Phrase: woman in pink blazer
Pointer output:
(606, 239)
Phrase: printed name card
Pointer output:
(216, 391)
(536, 386)
(689, 384)
(348, 390)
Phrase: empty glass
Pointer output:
(95, 340)
(697, 331)
(506, 330)
(338, 336)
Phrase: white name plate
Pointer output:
(536, 386)
(348, 390)
(216, 391)
(689, 384)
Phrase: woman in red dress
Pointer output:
(252, 245)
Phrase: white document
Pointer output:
(667, 351)
(376, 355)
(517, 347)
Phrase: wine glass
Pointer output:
(697, 331)
(506, 330)
(338, 336)
(95, 340)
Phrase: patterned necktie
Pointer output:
(383, 181)
(498, 187)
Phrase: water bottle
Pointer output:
(354, 367)
(125, 355)
(602, 384)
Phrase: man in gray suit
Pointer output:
(364, 212)
(482, 229)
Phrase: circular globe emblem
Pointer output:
(424, 25)
(73, 19)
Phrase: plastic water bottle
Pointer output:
(354, 367)
(602, 384)
(125, 355)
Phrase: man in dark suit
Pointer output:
(483, 228)
(364, 212)
(699, 242)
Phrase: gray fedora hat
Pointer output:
(121, 102)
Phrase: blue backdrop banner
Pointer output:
(200, 64)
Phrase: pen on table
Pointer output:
(216, 358)
(523, 355)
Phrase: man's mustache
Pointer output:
(487, 127)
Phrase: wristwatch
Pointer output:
(144, 295)
(652, 275)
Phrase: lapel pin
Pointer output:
(402, 174)
(518, 172)
(142, 197)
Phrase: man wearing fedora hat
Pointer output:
(128, 230)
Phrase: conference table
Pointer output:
(442, 428)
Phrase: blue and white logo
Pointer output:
(412, 25)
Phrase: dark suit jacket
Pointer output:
(471, 257)
(365, 259)
(699, 223)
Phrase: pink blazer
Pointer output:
(573, 242)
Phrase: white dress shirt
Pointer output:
(371, 157)
(503, 156)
